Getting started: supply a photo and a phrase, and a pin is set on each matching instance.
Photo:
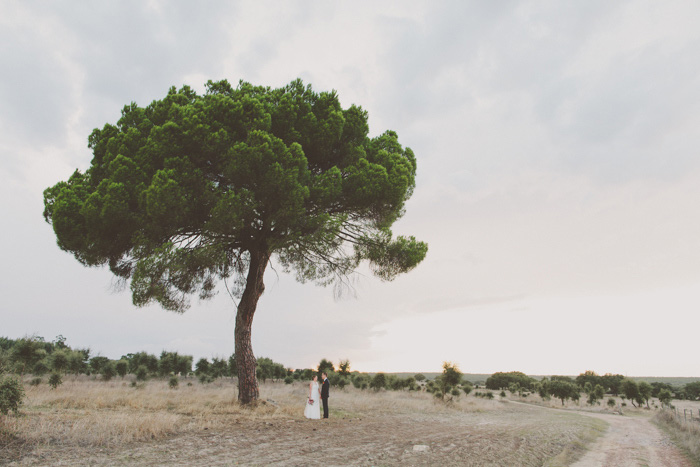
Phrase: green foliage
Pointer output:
(142, 359)
(26, 352)
(108, 370)
(97, 363)
(325, 366)
(179, 191)
(288, 380)
(612, 383)
(378, 382)
(55, 380)
(611, 402)
(219, 368)
(419, 377)
(269, 369)
(35, 381)
(361, 381)
(122, 367)
(11, 394)
(590, 377)
(631, 391)
(665, 397)
(59, 361)
(141, 373)
(446, 383)
(203, 367)
(692, 391)
(173, 382)
(563, 390)
(594, 393)
(467, 387)
(501, 380)
(172, 362)
(344, 367)
(645, 390)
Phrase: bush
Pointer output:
(502, 394)
(289, 380)
(11, 395)
(611, 402)
(109, 370)
(35, 381)
(141, 373)
(55, 380)
(174, 382)
(378, 382)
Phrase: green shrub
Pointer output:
(611, 402)
(502, 394)
(11, 395)
(109, 371)
(35, 381)
(55, 380)
(174, 382)
(489, 395)
(289, 380)
(141, 373)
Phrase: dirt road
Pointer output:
(631, 441)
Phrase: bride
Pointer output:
(313, 408)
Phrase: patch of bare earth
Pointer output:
(364, 429)
(632, 441)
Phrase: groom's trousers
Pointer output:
(325, 407)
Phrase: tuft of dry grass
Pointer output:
(686, 435)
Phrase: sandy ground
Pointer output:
(632, 441)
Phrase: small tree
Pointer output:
(447, 381)
(630, 389)
(11, 395)
(173, 382)
(202, 367)
(55, 380)
(122, 367)
(419, 377)
(563, 390)
(109, 370)
(378, 382)
(344, 367)
(325, 366)
(665, 397)
(644, 392)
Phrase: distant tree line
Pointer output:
(594, 386)
(33, 355)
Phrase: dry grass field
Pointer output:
(87, 422)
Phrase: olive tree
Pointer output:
(193, 189)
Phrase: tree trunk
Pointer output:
(245, 359)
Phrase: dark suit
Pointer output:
(325, 387)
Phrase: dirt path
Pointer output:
(631, 441)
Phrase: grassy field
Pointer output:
(88, 422)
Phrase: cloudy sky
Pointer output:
(558, 176)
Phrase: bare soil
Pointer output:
(632, 441)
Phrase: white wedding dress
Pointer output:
(313, 410)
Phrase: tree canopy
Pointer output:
(195, 188)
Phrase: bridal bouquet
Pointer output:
(311, 402)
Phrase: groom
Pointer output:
(324, 393)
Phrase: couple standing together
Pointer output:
(313, 409)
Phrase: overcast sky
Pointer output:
(558, 176)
